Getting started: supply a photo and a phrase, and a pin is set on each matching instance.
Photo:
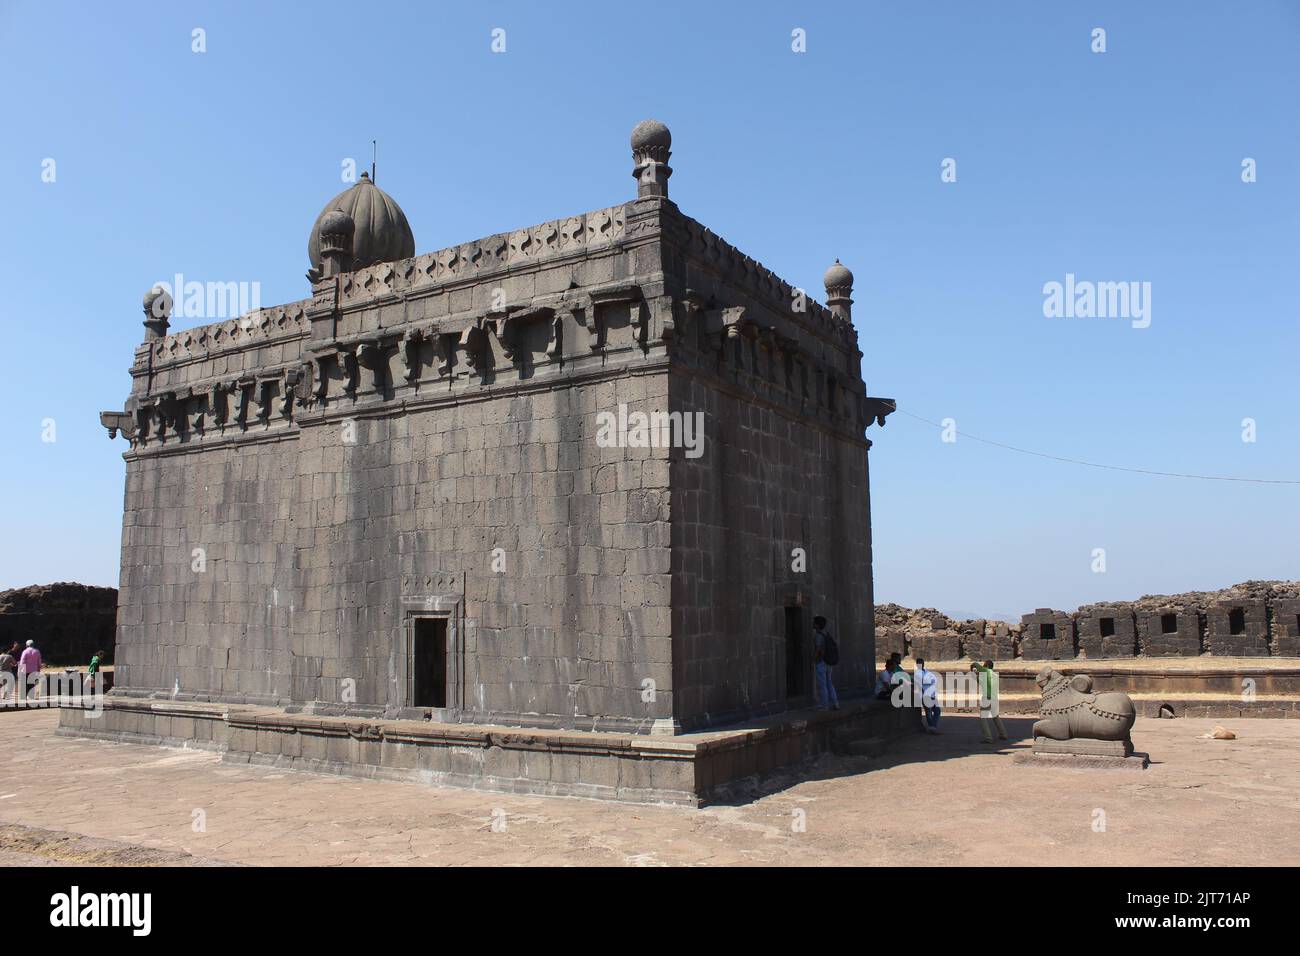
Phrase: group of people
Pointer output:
(924, 686)
(19, 665)
(22, 664)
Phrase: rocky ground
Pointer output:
(944, 800)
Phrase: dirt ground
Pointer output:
(934, 800)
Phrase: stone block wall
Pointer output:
(1169, 630)
(1106, 630)
(1047, 635)
(1253, 619)
(1237, 628)
(1285, 627)
(991, 640)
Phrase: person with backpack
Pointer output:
(826, 654)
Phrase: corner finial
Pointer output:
(651, 147)
(336, 231)
(839, 290)
(157, 312)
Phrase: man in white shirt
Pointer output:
(927, 687)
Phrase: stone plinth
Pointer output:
(689, 769)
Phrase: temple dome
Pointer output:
(381, 232)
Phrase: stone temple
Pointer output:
(589, 480)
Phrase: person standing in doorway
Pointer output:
(926, 686)
(989, 716)
(826, 654)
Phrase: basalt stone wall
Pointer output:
(1106, 630)
(1048, 635)
(991, 640)
(1170, 630)
(69, 622)
(1254, 619)
(284, 571)
(1237, 628)
(771, 522)
(765, 486)
(1285, 627)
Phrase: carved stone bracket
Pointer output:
(217, 405)
(474, 341)
(242, 389)
(123, 422)
(373, 356)
(320, 373)
(288, 391)
(410, 349)
(626, 294)
(555, 344)
(444, 349)
(506, 325)
(346, 357)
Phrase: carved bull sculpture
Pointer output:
(1071, 711)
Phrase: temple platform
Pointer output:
(688, 769)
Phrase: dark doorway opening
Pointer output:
(1237, 621)
(429, 662)
(1168, 623)
(795, 670)
(1107, 627)
(1047, 632)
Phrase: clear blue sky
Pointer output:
(1121, 166)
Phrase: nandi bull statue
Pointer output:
(1077, 721)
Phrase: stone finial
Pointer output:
(651, 147)
(839, 291)
(336, 229)
(157, 312)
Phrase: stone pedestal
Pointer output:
(1083, 746)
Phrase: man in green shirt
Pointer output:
(988, 703)
(93, 669)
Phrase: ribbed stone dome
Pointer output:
(651, 134)
(837, 276)
(381, 232)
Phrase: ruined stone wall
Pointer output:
(1253, 619)
(69, 622)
